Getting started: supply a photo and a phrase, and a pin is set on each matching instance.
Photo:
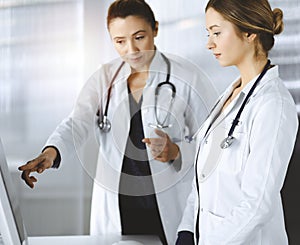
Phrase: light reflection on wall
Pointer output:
(41, 47)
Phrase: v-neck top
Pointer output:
(137, 200)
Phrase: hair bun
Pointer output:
(278, 21)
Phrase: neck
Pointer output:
(249, 70)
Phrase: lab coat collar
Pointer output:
(125, 72)
(271, 74)
(157, 62)
(157, 66)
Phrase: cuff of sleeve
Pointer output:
(57, 160)
(185, 238)
(177, 163)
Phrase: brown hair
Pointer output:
(124, 8)
(254, 17)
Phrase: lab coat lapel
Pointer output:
(205, 128)
(214, 122)
(121, 117)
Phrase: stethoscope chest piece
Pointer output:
(227, 142)
(105, 125)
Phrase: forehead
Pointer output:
(214, 19)
(128, 25)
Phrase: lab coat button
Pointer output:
(203, 175)
(201, 209)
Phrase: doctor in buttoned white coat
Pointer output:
(143, 175)
(236, 196)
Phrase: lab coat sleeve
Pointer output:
(187, 221)
(271, 143)
(202, 97)
(73, 131)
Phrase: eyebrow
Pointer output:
(135, 33)
(138, 32)
(213, 26)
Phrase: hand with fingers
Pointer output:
(162, 148)
(44, 161)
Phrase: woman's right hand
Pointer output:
(44, 161)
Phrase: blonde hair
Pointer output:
(254, 17)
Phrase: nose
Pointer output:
(131, 47)
(210, 44)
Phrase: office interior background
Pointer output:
(49, 48)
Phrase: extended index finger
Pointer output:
(31, 165)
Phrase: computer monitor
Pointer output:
(12, 227)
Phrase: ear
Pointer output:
(250, 37)
(156, 28)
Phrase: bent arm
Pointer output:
(69, 134)
(73, 132)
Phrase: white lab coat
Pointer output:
(239, 187)
(172, 181)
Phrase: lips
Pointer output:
(135, 58)
(217, 55)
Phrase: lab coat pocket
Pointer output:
(214, 218)
(209, 222)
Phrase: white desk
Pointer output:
(91, 240)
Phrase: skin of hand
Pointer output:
(162, 148)
(44, 161)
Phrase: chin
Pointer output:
(224, 63)
(137, 67)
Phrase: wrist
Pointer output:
(176, 152)
(53, 154)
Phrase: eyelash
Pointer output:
(216, 34)
(136, 38)
(139, 37)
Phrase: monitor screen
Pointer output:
(11, 223)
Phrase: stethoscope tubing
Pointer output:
(105, 124)
(229, 139)
(110, 88)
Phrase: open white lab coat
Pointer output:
(172, 181)
(239, 198)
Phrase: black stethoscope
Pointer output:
(105, 124)
(229, 139)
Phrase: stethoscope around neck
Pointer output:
(171, 86)
(229, 139)
(105, 124)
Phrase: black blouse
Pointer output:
(137, 200)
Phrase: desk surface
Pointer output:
(94, 240)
